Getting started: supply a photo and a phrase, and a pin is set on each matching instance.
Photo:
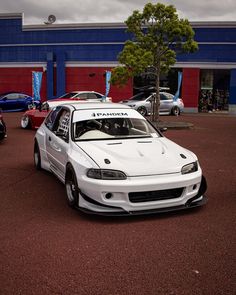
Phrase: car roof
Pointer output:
(83, 91)
(58, 101)
(86, 105)
(12, 92)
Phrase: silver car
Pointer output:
(142, 102)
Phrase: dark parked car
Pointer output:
(16, 101)
(3, 129)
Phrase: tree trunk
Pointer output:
(156, 104)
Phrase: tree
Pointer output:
(158, 35)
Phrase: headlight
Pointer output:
(106, 174)
(189, 168)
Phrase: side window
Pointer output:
(50, 120)
(164, 97)
(91, 96)
(62, 125)
(82, 96)
(12, 96)
(22, 96)
(99, 96)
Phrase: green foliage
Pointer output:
(158, 35)
(120, 75)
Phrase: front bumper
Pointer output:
(2, 130)
(121, 212)
(192, 196)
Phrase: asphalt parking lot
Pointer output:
(48, 248)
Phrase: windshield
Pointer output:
(113, 128)
(140, 96)
(68, 95)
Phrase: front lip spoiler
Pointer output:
(147, 212)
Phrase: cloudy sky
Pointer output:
(89, 11)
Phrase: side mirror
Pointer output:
(39, 107)
(163, 129)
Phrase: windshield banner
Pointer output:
(82, 115)
(36, 84)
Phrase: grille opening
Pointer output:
(150, 196)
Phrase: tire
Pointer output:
(25, 122)
(37, 157)
(175, 111)
(142, 110)
(72, 189)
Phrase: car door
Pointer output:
(165, 102)
(23, 101)
(148, 102)
(9, 102)
(57, 143)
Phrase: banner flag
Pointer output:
(36, 84)
(108, 78)
(179, 84)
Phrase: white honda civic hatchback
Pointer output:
(114, 162)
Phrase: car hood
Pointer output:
(138, 157)
(30, 112)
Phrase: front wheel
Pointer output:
(72, 190)
(175, 111)
(142, 110)
(25, 122)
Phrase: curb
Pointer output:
(174, 125)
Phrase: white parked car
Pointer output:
(86, 95)
(113, 161)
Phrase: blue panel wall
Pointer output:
(109, 52)
(95, 44)
(17, 36)
(72, 53)
(50, 75)
(211, 53)
(60, 74)
(215, 34)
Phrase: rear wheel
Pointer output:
(142, 110)
(25, 122)
(175, 111)
(72, 189)
(37, 157)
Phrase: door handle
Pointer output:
(49, 138)
(56, 147)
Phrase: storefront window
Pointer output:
(168, 82)
(214, 93)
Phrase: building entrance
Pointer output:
(214, 90)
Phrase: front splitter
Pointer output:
(188, 205)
